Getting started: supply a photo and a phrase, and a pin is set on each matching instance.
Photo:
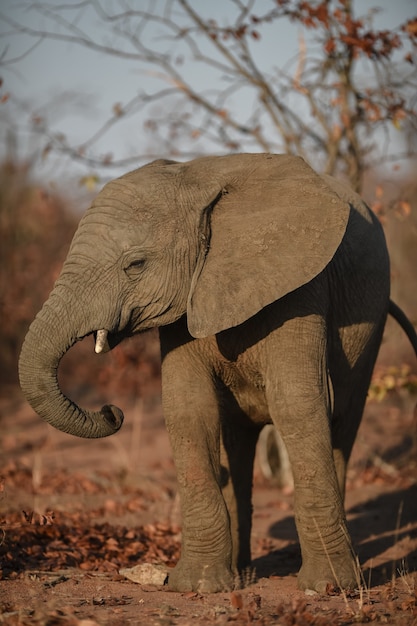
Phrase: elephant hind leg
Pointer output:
(238, 445)
(351, 364)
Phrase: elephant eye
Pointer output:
(135, 268)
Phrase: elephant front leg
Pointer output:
(206, 553)
(300, 408)
(193, 423)
(327, 557)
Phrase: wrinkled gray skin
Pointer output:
(270, 285)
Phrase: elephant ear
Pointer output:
(273, 225)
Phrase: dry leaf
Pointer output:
(236, 600)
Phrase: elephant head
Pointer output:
(217, 239)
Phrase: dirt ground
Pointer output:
(73, 513)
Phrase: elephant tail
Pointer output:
(400, 317)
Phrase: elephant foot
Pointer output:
(318, 574)
(208, 578)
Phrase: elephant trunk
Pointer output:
(47, 340)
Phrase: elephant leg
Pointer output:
(351, 376)
(193, 423)
(299, 405)
(239, 437)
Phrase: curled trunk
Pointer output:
(47, 340)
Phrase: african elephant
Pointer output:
(270, 287)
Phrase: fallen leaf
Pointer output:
(236, 600)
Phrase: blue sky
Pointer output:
(76, 88)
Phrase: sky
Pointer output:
(76, 88)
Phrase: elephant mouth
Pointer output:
(104, 341)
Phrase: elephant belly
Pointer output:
(248, 392)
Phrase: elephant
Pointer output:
(270, 287)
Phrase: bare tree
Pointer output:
(337, 103)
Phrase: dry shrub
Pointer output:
(35, 231)
(400, 227)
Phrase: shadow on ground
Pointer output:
(380, 529)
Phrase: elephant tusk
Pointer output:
(102, 345)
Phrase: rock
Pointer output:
(146, 574)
